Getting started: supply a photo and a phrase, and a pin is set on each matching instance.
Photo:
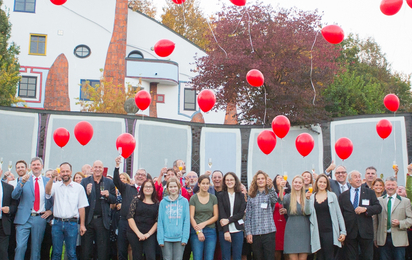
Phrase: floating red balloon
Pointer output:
(391, 102)
(61, 136)
(142, 99)
(304, 144)
(344, 148)
(179, 2)
(384, 128)
(238, 2)
(164, 48)
(409, 2)
(127, 142)
(391, 7)
(281, 126)
(255, 78)
(83, 132)
(206, 100)
(266, 141)
(333, 34)
(58, 2)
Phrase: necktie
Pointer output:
(342, 189)
(138, 189)
(388, 223)
(36, 206)
(356, 200)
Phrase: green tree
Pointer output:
(187, 20)
(143, 6)
(9, 65)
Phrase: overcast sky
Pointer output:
(392, 33)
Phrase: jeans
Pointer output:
(206, 249)
(233, 249)
(173, 251)
(67, 232)
(35, 226)
(390, 252)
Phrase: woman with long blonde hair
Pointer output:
(297, 231)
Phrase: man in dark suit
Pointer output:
(8, 207)
(100, 194)
(358, 205)
(340, 185)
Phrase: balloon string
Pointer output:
(239, 22)
(207, 20)
(394, 134)
(281, 154)
(311, 68)
(250, 36)
(264, 118)
(184, 18)
(381, 155)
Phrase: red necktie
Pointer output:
(36, 206)
(138, 189)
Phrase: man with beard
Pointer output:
(69, 203)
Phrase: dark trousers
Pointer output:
(96, 232)
(47, 243)
(188, 250)
(390, 252)
(352, 246)
(122, 241)
(409, 248)
(327, 249)
(147, 246)
(4, 243)
(264, 246)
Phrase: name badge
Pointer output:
(365, 202)
(240, 221)
(264, 205)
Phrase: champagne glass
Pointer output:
(210, 163)
(310, 188)
(10, 165)
(119, 150)
(394, 165)
(1, 162)
(180, 165)
(285, 177)
(313, 168)
(166, 162)
(101, 188)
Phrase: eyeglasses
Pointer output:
(141, 174)
(192, 177)
(337, 173)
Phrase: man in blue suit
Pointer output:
(32, 212)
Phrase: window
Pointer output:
(190, 99)
(38, 44)
(136, 55)
(82, 51)
(83, 95)
(28, 6)
(27, 87)
(160, 98)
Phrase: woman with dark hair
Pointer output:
(203, 215)
(378, 186)
(327, 226)
(232, 207)
(307, 179)
(280, 221)
(142, 220)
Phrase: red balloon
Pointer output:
(58, 2)
(384, 128)
(238, 2)
(255, 78)
(142, 99)
(178, 2)
(266, 141)
(391, 7)
(206, 100)
(409, 2)
(391, 102)
(344, 148)
(83, 132)
(61, 136)
(304, 144)
(281, 126)
(164, 47)
(127, 142)
(333, 34)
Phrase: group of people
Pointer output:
(212, 216)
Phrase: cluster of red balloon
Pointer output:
(127, 143)
(266, 140)
(384, 126)
(83, 132)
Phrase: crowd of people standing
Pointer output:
(177, 215)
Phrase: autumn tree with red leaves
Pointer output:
(278, 43)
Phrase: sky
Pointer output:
(363, 17)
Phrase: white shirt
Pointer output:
(353, 193)
(392, 206)
(68, 199)
(232, 226)
(42, 207)
(343, 187)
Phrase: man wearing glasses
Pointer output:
(340, 185)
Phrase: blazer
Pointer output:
(359, 223)
(25, 195)
(108, 184)
(401, 210)
(338, 223)
(239, 207)
(335, 187)
(11, 203)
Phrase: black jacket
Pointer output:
(8, 201)
(239, 208)
(128, 193)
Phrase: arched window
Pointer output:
(136, 55)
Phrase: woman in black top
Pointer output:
(142, 220)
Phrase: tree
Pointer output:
(364, 81)
(187, 20)
(105, 97)
(143, 6)
(278, 43)
(9, 64)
